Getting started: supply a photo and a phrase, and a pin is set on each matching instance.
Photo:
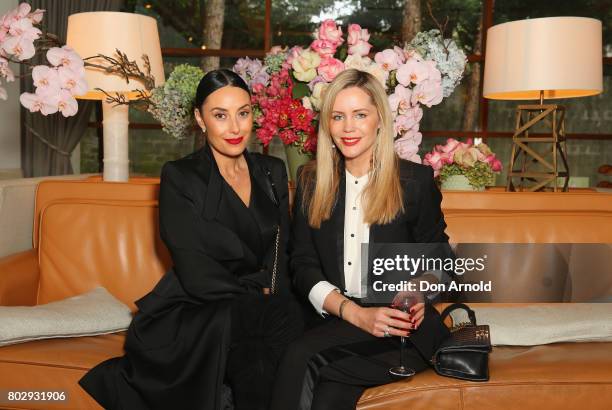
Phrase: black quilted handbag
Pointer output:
(465, 353)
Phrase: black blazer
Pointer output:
(318, 254)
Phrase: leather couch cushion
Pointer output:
(562, 375)
(118, 246)
(568, 375)
(56, 365)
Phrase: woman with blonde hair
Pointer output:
(358, 191)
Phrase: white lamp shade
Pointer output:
(561, 56)
(104, 32)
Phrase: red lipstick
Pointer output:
(349, 142)
(234, 141)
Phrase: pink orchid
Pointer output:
(324, 48)
(65, 57)
(388, 60)
(357, 34)
(405, 123)
(401, 55)
(46, 104)
(412, 71)
(23, 10)
(407, 148)
(36, 16)
(330, 32)
(20, 47)
(400, 99)
(330, 68)
(362, 48)
(75, 83)
(6, 71)
(433, 73)
(67, 104)
(23, 28)
(3, 94)
(46, 80)
(427, 93)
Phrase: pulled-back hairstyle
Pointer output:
(382, 195)
(215, 80)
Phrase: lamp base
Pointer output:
(531, 169)
(116, 148)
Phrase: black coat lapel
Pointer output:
(210, 172)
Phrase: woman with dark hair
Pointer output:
(223, 314)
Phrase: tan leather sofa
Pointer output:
(89, 233)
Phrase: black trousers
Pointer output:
(332, 364)
(262, 328)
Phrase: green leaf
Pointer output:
(300, 90)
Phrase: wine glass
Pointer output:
(404, 301)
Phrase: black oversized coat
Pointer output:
(177, 344)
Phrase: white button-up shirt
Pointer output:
(356, 232)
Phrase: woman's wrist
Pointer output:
(351, 312)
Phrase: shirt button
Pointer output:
(352, 235)
(350, 263)
(356, 182)
(354, 208)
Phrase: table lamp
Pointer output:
(135, 35)
(538, 59)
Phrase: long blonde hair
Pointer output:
(382, 196)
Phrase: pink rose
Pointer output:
(434, 159)
(330, 32)
(324, 48)
(496, 165)
(388, 60)
(451, 145)
(428, 93)
(293, 53)
(330, 68)
(362, 48)
(357, 34)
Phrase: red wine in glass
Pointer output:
(404, 301)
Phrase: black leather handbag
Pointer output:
(465, 353)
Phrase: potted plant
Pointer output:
(463, 165)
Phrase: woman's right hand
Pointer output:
(375, 320)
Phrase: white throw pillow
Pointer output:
(530, 325)
(93, 313)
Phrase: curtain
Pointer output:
(47, 142)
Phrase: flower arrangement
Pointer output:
(423, 72)
(172, 103)
(56, 84)
(476, 162)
